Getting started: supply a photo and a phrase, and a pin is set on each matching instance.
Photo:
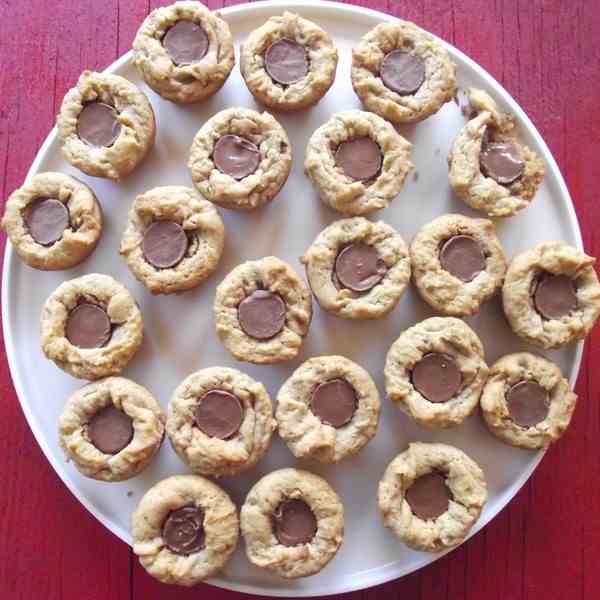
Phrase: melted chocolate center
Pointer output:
(165, 244)
(360, 158)
(219, 414)
(402, 72)
(358, 267)
(98, 124)
(185, 42)
(110, 430)
(286, 61)
(501, 162)
(295, 523)
(183, 530)
(334, 402)
(46, 220)
(88, 326)
(555, 296)
(429, 496)
(528, 403)
(437, 377)
(461, 256)
(235, 156)
(262, 314)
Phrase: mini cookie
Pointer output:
(288, 63)
(457, 264)
(328, 409)
(184, 52)
(435, 372)
(292, 522)
(54, 222)
(220, 421)
(91, 326)
(489, 168)
(240, 158)
(551, 294)
(431, 495)
(105, 125)
(402, 72)
(173, 240)
(358, 162)
(526, 401)
(111, 429)
(263, 311)
(185, 529)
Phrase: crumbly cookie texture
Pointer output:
(440, 288)
(272, 274)
(445, 335)
(210, 455)
(523, 366)
(320, 258)
(183, 83)
(124, 315)
(78, 240)
(256, 189)
(322, 58)
(470, 184)
(136, 119)
(200, 221)
(464, 478)
(438, 88)
(136, 402)
(263, 548)
(556, 258)
(335, 188)
(304, 433)
(221, 529)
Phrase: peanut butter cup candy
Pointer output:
(220, 421)
(292, 522)
(435, 372)
(185, 529)
(288, 63)
(184, 52)
(431, 495)
(105, 125)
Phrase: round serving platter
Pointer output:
(179, 330)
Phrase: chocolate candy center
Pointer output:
(286, 61)
(528, 403)
(501, 162)
(461, 256)
(402, 72)
(262, 314)
(183, 530)
(429, 496)
(88, 326)
(359, 267)
(110, 430)
(46, 220)
(555, 296)
(437, 377)
(219, 414)
(295, 523)
(186, 42)
(360, 159)
(236, 156)
(165, 244)
(98, 124)
(334, 402)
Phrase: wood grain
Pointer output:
(546, 543)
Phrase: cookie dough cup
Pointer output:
(173, 240)
(435, 372)
(185, 529)
(358, 162)
(402, 73)
(358, 269)
(220, 421)
(105, 125)
(91, 326)
(54, 222)
(111, 429)
(184, 52)
(288, 63)
(489, 168)
(328, 409)
(240, 158)
(431, 495)
(457, 264)
(263, 311)
(551, 294)
(292, 522)
(526, 401)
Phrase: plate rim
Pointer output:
(389, 571)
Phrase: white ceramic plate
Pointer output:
(180, 335)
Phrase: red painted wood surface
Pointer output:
(546, 543)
